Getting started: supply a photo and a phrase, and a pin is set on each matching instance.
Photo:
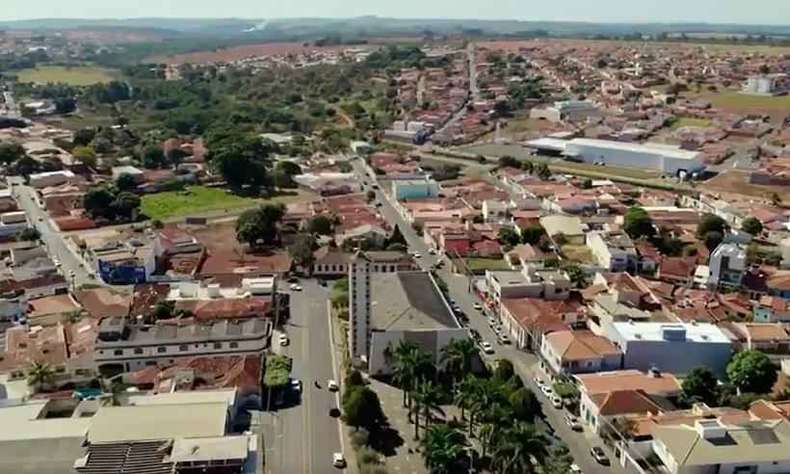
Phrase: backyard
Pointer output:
(681, 122)
(480, 265)
(75, 76)
(200, 199)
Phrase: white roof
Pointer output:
(228, 397)
(653, 331)
(671, 151)
(21, 422)
(149, 422)
(207, 449)
(45, 174)
(548, 144)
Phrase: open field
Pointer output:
(737, 182)
(75, 76)
(200, 199)
(578, 253)
(480, 265)
(516, 45)
(690, 122)
(734, 102)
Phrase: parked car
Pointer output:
(338, 460)
(573, 422)
(538, 381)
(296, 385)
(599, 455)
(547, 391)
(487, 347)
(432, 251)
(556, 402)
(332, 385)
(503, 339)
(284, 341)
(575, 469)
(296, 287)
(475, 334)
(477, 306)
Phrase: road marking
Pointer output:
(334, 369)
(306, 414)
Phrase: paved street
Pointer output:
(302, 438)
(525, 363)
(52, 238)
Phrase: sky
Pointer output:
(774, 12)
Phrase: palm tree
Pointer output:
(465, 393)
(403, 369)
(39, 375)
(487, 434)
(442, 447)
(518, 447)
(458, 356)
(428, 403)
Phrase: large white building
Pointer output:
(727, 264)
(386, 309)
(566, 111)
(670, 347)
(766, 84)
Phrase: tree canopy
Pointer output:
(638, 223)
(260, 225)
(752, 371)
(711, 223)
(752, 226)
(701, 385)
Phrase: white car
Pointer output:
(296, 385)
(538, 381)
(417, 255)
(575, 469)
(477, 306)
(432, 251)
(332, 385)
(487, 347)
(338, 460)
(284, 341)
(296, 287)
(56, 262)
(573, 422)
(547, 391)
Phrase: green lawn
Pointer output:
(480, 265)
(193, 200)
(75, 76)
(736, 100)
(690, 122)
(578, 253)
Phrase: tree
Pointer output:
(525, 404)
(752, 371)
(519, 445)
(153, 157)
(321, 225)
(98, 202)
(711, 223)
(40, 375)
(403, 371)
(532, 234)
(587, 184)
(576, 275)
(542, 171)
(362, 408)
(508, 161)
(558, 462)
(11, 152)
(30, 234)
(458, 355)
(504, 370)
(637, 223)
(301, 251)
(713, 239)
(700, 385)
(508, 236)
(84, 136)
(427, 402)
(125, 205)
(752, 226)
(527, 166)
(283, 174)
(465, 392)
(125, 182)
(442, 448)
(259, 225)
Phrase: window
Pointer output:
(217, 345)
(183, 348)
(118, 352)
(161, 349)
(234, 345)
(138, 350)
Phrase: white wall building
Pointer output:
(668, 159)
(727, 264)
(615, 253)
(422, 188)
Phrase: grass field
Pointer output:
(480, 265)
(75, 76)
(736, 100)
(578, 253)
(690, 122)
(193, 200)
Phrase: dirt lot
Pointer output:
(737, 182)
(246, 51)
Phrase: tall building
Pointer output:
(727, 264)
(359, 271)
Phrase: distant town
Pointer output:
(434, 254)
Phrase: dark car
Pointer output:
(599, 455)
(334, 412)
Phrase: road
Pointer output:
(524, 363)
(11, 107)
(473, 89)
(301, 438)
(54, 240)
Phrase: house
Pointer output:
(334, 263)
(122, 347)
(574, 352)
(770, 309)
(386, 309)
(778, 284)
(527, 320)
(546, 283)
(676, 270)
(51, 178)
(655, 345)
(604, 395)
(426, 187)
(614, 252)
(711, 445)
(566, 111)
(727, 264)
(568, 226)
(771, 338)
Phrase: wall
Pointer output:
(431, 341)
(663, 355)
